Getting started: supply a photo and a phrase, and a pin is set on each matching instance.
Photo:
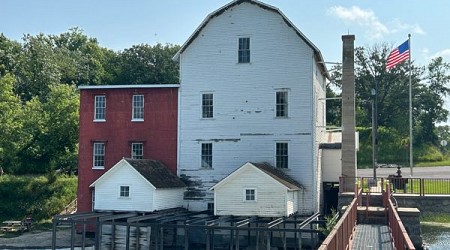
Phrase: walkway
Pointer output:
(372, 236)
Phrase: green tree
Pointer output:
(51, 130)
(10, 123)
(9, 53)
(431, 101)
(38, 68)
(81, 60)
(146, 64)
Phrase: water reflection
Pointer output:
(435, 237)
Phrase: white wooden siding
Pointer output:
(107, 191)
(143, 196)
(244, 127)
(272, 198)
(168, 198)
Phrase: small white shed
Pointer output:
(138, 185)
(256, 189)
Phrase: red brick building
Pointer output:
(132, 121)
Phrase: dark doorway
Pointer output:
(330, 197)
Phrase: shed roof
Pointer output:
(153, 171)
(156, 173)
(267, 169)
(278, 175)
(262, 5)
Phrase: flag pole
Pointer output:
(410, 112)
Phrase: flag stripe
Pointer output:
(398, 55)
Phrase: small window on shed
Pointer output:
(250, 194)
(124, 191)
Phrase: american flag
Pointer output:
(398, 55)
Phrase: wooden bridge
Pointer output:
(368, 225)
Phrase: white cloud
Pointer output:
(374, 28)
(445, 53)
(397, 26)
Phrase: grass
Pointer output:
(440, 218)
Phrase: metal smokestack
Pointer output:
(348, 112)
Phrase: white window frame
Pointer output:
(207, 107)
(242, 50)
(246, 195)
(137, 110)
(282, 108)
(206, 159)
(99, 110)
(122, 191)
(96, 153)
(134, 149)
(278, 156)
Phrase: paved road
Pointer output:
(418, 172)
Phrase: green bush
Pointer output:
(35, 196)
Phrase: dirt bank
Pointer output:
(43, 240)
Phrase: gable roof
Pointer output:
(218, 12)
(153, 171)
(156, 173)
(267, 169)
(278, 175)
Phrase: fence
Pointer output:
(399, 235)
(341, 235)
(416, 186)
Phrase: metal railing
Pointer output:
(399, 235)
(399, 185)
(342, 234)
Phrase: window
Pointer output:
(100, 108)
(124, 191)
(206, 155)
(281, 104)
(137, 150)
(207, 105)
(244, 50)
(282, 155)
(138, 107)
(99, 155)
(250, 194)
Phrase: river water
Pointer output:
(436, 237)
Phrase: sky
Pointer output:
(120, 24)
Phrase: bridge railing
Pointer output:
(342, 233)
(399, 235)
(415, 186)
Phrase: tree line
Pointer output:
(39, 100)
(429, 89)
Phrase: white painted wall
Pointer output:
(168, 198)
(143, 196)
(107, 191)
(272, 198)
(244, 127)
(331, 165)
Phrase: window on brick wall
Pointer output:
(100, 108)
(137, 150)
(99, 155)
(138, 108)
